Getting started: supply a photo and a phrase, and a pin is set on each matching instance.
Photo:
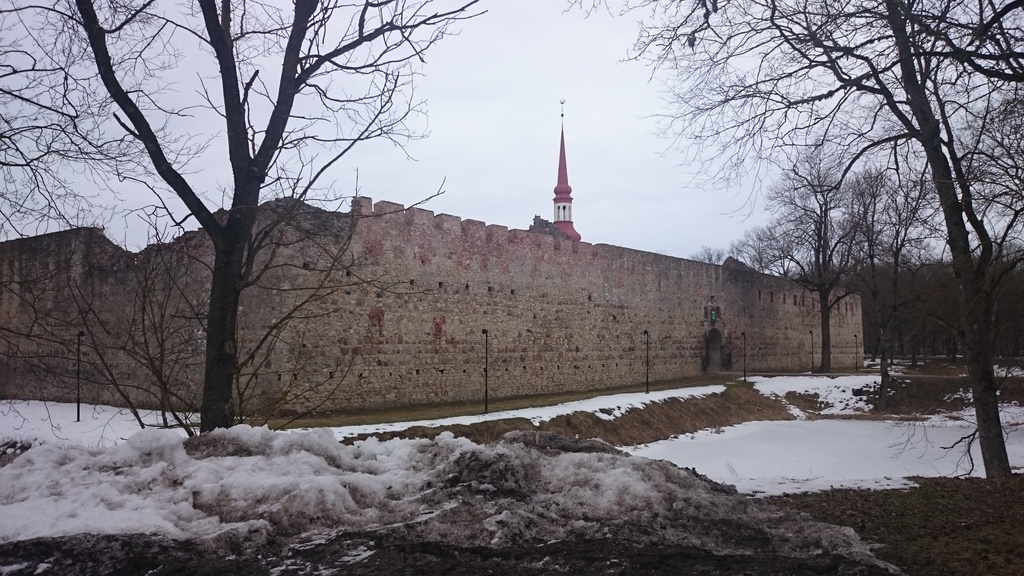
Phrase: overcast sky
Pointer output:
(493, 96)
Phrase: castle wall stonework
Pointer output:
(403, 323)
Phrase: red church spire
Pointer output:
(562, 189)
(563, 192)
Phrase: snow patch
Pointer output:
(836, 394)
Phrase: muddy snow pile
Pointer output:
(529, 487)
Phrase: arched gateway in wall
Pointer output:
(714, 354)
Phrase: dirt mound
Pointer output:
(656, 421)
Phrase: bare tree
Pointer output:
(810, 238)
(293, 88)
(985, 36)
(710, 255)
(760, 76)
(50, 135)
(757, 249)
(893, 238)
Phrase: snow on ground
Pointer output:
(768, 458)
(54, 422)
(150, 484)
(247, 483)
(38, 422)
(835, 392)
(1008, 371)
(82, 478)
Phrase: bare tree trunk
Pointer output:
(885, 345)
(218, 409)
(826, 332)
(971, 270)
(978, 337)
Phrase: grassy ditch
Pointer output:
(657, 421)
(945, 527)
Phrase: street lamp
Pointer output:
(647, 342)
(812, 350)
(78, 378)
(486, 354)
(744, 336)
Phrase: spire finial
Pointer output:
(563, 192)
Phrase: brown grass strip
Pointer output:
(945, 527)
(656, 421)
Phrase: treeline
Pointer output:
(930, 323)
(877, 232)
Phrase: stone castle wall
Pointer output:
(398, 318)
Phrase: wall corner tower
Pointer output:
(563, 192)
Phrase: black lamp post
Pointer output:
(647, 363)
(78, 378)
(744, 336)
(486, 360)
(812, 350)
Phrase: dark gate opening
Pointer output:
(713, 351)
